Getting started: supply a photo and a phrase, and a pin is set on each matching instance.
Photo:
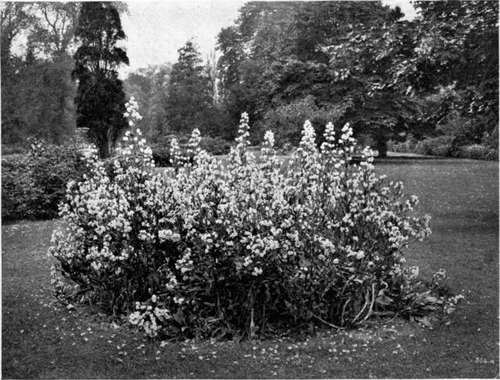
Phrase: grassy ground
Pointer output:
(41, 339)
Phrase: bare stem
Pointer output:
(371, 305)
(327, 323)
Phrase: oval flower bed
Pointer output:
(246, 247)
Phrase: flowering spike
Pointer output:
(328, 146)
(243, 131)
(267, 151)
(194, 143)
(308, 141)
(239, 153)
(132, 113)
(175, 153)
(269, 139)
(133, 146)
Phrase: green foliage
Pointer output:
(100, 99)
(34, 184)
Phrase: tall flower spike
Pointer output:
(269, 140)
(347, 134)
(243, 131)
(267, 151)
(194, 143)
(175, 153)
(328, 146)
(132, 113)
(239, 153)
(308, 141)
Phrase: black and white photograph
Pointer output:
(231, 189)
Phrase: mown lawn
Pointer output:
(41, 339)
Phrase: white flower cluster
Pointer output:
(149, 316)
(261, 215)
(133, 147)
(250, 218)
(132, 113)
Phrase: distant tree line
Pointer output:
(361, 62)
(282, 62)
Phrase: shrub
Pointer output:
(492, 155)
(477, 152)
(161, 148)
(16, 186)
(244, 247)
(162, 153)
(443, 150)
(407, 146)
(491, 139)
(435, 146)
(215, 145)
(286, 120)
(8, 149)
(34, 184)
(50, 168)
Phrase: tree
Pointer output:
(260, 38)
(274, 59)
(316, 23)
(37, 86)
(15, 19)
(53, 38)
(423, 76)
(100, 99)
(458, 49)
(213, 77)
(54, 29)
(366, 66)
(190, 93)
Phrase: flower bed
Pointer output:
(249, 246)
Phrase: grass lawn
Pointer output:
(41, 339)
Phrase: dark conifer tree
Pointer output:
(100, 99)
